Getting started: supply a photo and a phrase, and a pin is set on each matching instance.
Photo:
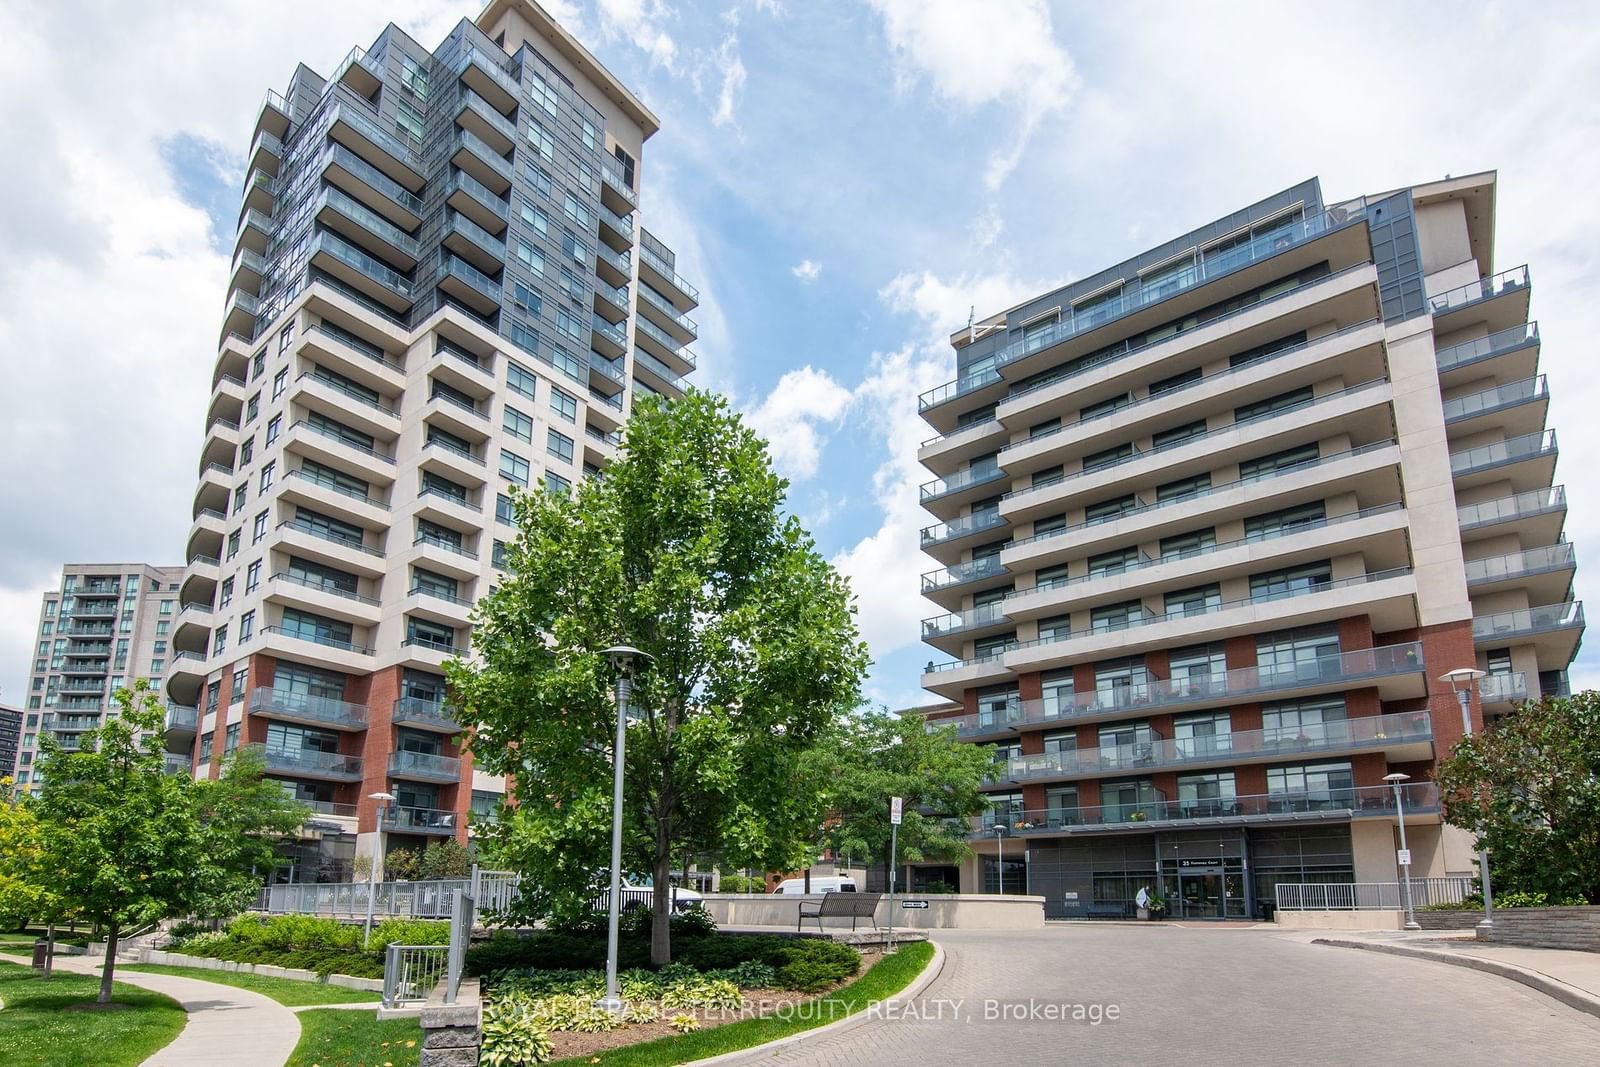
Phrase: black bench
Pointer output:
(856, 906)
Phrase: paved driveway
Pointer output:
(1189, 996)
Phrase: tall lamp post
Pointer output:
(623, 660)
(1405, 853)
(1462, 679)
(384, 800)
(1000, 863)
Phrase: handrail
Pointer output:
(1482, 289)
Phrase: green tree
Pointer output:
(875, 755)
(125, 843)
(681, 550)
(243, 816)
(1529, 788)
(444, 859)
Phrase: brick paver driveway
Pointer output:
(1190, 996)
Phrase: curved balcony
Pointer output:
(307, 709)
(307, 763)
(424, 766)
(418, 713)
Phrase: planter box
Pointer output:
(1450, 920)
(266, 970)
(1571, 928)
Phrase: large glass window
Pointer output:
(518, 425)
(1311, 786)
(1116, 616)
(1309, 654)
(1202, 734)
(1287, 520)
(1292, 581)
(316, 628)
(1302, 722)
(1197, 601)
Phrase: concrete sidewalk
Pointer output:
(1568, 975)
(226, 1025)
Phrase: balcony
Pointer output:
(1402, 737)
(308, 763)
(424, 766)
(950, 537)
(329, 495)
(947, 452)
(1508, 354)
(325, 393)
(1545, 573)
(266, 153)
(657, 374)
(613, 268)
(317, 637)
(477, 115)
(239, 316)
(453, 462)
(1535, 516)
(247, 271)
(466, 283)
(473, 243)
(1515, 409)
(355, 357)
(327, 445)
(471, 198)
(611, 302)
(348, 217)
(1555, 630)
(1527, 462)
(255, 231)
(364, 273)
(438, 554)
(1501, 692)
(319, 543)
(421, 714)
(260, 192)
(322, 598)
(615, 192)
(419, 820)
(959, 574)
(307, 709)
(1501, 301)
(610, 341)
(1292, 245)
(475, 157)
(616, 230)
(663, 345)
(971, 623)
(654, 269)
(393, 153)
(962, 487)
(182, 721)
(489, 77)
(372, 187)
(663, 314)
(1421, 801)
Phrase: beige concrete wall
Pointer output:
(966, 911)
(1442, 233)
(1373, 844)
(1339, 920)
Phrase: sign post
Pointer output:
(895, 809)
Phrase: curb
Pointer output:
(1569, 995)
(932, 971)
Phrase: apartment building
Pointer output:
(1212, 523)
(104, 626)
(441, 293)
(10, 738)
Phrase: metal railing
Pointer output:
(410, 972)
(1511, 450)
(1528, 562)
(1491, 345)
(1482, 289)
(955, 574)
(1371, 896)
(1528, 620)
(1532, 502)
(413, 900)
(265, 700)
(1495, 398)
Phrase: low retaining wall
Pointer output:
(1339, 920)
(1576, 928)
(966, 911)
(266, 970)
(1448, 920)
(452, 1034)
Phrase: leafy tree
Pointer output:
(1529, 788)
(243, 817)
(445, 859)
(681, 550)
(123, 842)
(875, 755)
(401, 865)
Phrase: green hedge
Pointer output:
(320, 945)
(806, 964)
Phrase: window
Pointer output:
(219, 640)
(448, 441)
(1272, 405)
(166, 607)
(520, 381)
(1107, 457)
(1202, 795)
(252, 409)
(1116, 616)
(280, 381)
(1262, 351)
(247, 451)
(559, 445)
(240, 496)
(575, 249)
(500, 555)
(259, 529)
(363, 441)
(1197, 663)
(1104, 407)
(1177, 381)
(233, 544)
(247, 626)
(324, 631)
(1182, 546)
(321, 576)
(518, 425)
(1177, 435)
(1310, 654)
(1278, 462)
(1291, 581)
(1310, 786)
(1499, 660)
(1049, 524)
(1196, 601)
(1107, 510)
(161, 628)
(1112, 562)
(258, 365)
(408, 120)
(504, 511)
(413, 77)
(1300, 722)
(231, 738)
(430, 634)
(161, 647)
(1044, 429)
(564, 404)
(274, 425)
(50, 608)
(575, 210)
(285, 336)
(533, 260)
(328, 528)
(439, 585)
(1183, 488)
(554, 482)
(541, 142)
(205, 746)
(514, 468)
(1055, 628)
(1288, 520)
(252, 576)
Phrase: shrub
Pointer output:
(511, 1038)
(751, 974)
(444, 859)
(716, 993)
(738, 883)
(641, 1011)
(408, 932)
(810, 966)
(571, 1012)
(684, 1024)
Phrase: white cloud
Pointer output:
(975, 55)
(640, 22)
(731, 68)
(793, 416)
(806, 270)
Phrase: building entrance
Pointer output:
(1203, 876)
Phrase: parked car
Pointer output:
(822, 884)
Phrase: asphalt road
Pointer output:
(1160, 993)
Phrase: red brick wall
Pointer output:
(378, 691)
(1029, 687)
(1355, 632)
(1239, 652)
(1445, 647)
(1245, 717)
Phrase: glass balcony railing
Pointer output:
(1132, 622)
(1504, 688)
(480, 149)
(656, 333)
(321, 586)
(334, 435)
(480, 107)
(970, 571)
(615, 334)
(310, 763)
(482, 238)
(977, 522)
(1522, 505)
(353, 257)
(419, 820)
(341, 156)
(328, 482)
(426, 764)
(479, 281)
(980, 474)
(1482, 289)
(318, 637)
(1486, 347)
(324, 533)
(357, 344)
(328, 381)
(479, 192)
(662, 304)
(621, 223)
(1377, 731)
(265, 700)
(619, 261)
(182, 717)
(1355, 802)
(1500, 396)
(983, 615)
(370, 220)
(658, 368)
(1528, 621)
(611, 172)
(448, 546)
(1206, 269)
(667, 271)
(1511, 450)
(401, 146)
(1532, 561)
(501, 76)
(420, 711)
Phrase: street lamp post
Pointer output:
(1000, 843)
(1462, 679)
(1405, 853)
(623, 659)
(383, 799)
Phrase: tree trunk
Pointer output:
(660, 900)
(111, 963)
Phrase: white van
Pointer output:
(830, 884)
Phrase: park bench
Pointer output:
(854, 906)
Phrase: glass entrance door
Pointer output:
(1200, 894)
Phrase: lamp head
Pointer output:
(623, 658)
(380, 796)
(1396, 778)
(1462, 677)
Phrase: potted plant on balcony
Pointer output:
(1137, 815)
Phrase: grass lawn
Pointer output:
(343, 1037)
(36, 1028)
(283, 990)
(887, 977)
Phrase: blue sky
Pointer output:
(842, 180)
